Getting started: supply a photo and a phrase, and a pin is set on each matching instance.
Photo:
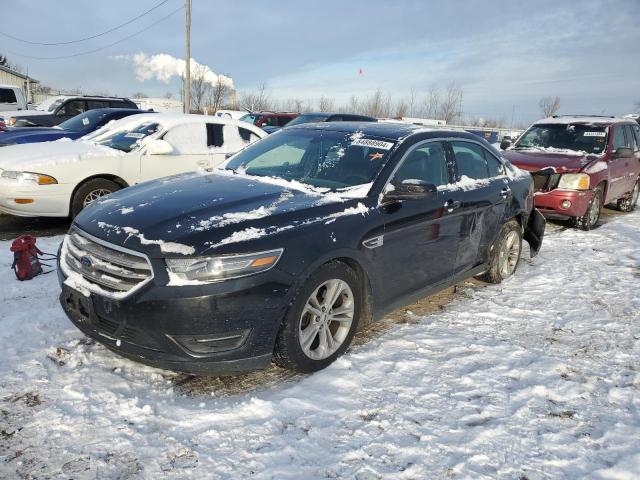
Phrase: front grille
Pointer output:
(544, 182)
(122, 331)
(112, 269)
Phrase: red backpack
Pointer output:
(26, 258)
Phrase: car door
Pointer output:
(190, 152)
(481, 199)
(70, 109)
(619, 166)
(419, 245)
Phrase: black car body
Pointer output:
(62, 109)
(400, 240)
(314, 117)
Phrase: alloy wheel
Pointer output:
(94, 195)
(509, 254)
(594, 210)
(326, 319)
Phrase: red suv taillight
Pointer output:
(3, 126)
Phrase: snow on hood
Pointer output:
(27, 157)
(24, 113)
(209, 211)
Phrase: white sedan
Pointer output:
(58, 179)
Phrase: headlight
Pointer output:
(12, 121)
(37, 178)
(574, 181)
(224, 267)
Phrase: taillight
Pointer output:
(3, 126)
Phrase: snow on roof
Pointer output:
(586, 119)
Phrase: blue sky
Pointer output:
(504, 54)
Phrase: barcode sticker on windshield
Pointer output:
(134, 135)
(368, 142)
(594, 134)
(85, 121)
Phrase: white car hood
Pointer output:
(28, 156)
(24, 113)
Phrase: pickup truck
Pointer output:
(12, 98)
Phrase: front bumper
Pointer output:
(551, 203)
(48, 200)
(236, 321)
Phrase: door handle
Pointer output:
(504, 193)
(451, 205)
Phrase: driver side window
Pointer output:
(426, 163)
(188, 139)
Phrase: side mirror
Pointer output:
(504, 144)
(411, 190)
(623, 152)
(158, 147)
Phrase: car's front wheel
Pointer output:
(505, 253)
(91, 191)
(629, 204)
(322, 319)
(591, 217)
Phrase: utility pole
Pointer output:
(187, 63)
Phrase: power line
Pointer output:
(88, 52)
(86, 38)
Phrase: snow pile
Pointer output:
(536, 378)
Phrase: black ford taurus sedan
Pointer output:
(298, 241)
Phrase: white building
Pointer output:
(11, 77)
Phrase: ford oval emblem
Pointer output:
(86, 261)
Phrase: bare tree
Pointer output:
(139, 95)
(432, 103)
(401, 109)
(218, 93)
(377, 105)
(168, 95)
(549, 106)
(200, 88)
(326, 104)
(451, 106)
(257, 101)
(411, 102)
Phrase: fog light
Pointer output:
(566, 204)
(23, 201)
(202, 345)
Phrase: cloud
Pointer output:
(163, 67)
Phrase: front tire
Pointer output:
(322, 319)
(590, 219)
(91, 191)
(629, 204)
(505, 253)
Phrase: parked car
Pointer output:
(302, 238)
(12, 98)
(236, 114)
(271, 119)
(61, 178)
(322, 117)
(56, 110)
(579, 164)
(77, 127)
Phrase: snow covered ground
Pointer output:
(536, 378)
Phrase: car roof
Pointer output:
(594, 120)
(389, 130)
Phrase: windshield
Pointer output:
(308, 118)
(84, 121)
(574, 136)
(127, 139)
(321, 158)
(250, 118)
(50, 104)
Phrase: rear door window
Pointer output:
(247, 135)
(93, 104)
(631, 138)
(636, 131)
(7, 95)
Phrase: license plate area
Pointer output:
(77, 305)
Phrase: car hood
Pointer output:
(34, 156)
(24, 133)
(197, 213)
(24, 113)
(533, 160)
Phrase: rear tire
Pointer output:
(90, 191)
(629, 204)
(590, 219)
(505, 252)
(322, 319)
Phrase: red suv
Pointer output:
(271, 119)
(579, 164)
